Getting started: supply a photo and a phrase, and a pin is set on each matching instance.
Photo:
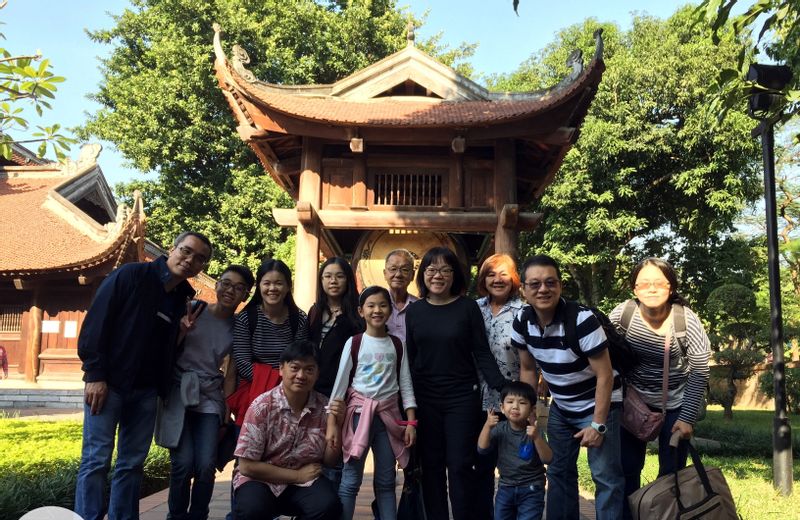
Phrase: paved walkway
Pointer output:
(154, 507)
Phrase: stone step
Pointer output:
(11, 398)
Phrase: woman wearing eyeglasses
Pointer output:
(655, 285)
(445, 338)
(333, 318)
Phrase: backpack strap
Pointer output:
(355, 346)
(679, 324)
(571, 327)
(627, 315)
(398, 349)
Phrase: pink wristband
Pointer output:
(407, 423)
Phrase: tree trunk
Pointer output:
(730, 397)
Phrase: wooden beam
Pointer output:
(466, 222)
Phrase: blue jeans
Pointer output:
(519, 502)
(383, 476)
(634, 451)
(135, 413)
(604, 463)
(196, 457)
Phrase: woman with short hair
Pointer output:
(445, 338)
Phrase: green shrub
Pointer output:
(40, 463)
(767, 384)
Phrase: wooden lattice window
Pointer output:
(11, 318)
(404, 187)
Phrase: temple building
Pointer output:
(405, 153)
(63, 233)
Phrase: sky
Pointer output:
(57, 29)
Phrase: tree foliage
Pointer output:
(778, 25)
(162, 107)
(27, 79)
(647, 175)
(733, 325)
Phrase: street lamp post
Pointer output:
(770, 80)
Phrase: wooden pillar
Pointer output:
(505, 193)
(34, 344)
(308, 234)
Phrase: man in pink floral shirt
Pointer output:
(282, 447)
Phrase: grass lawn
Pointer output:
(745, 458)
(40, 462)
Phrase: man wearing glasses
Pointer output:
(399, 271)
(586, 391)
(128, 348)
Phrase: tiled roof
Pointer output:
(413, 112)
(36, 238)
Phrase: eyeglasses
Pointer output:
(550, 283)
(444, 271)
(227, 285)
(330, 277)
(405, 271)
(191, 255)
(657, 284)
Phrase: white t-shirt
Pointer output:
(376, 373)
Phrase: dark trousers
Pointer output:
(633, 454)
(255, 501)
(447, 443)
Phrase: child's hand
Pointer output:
(410, 436)
(332, 438)
(491, 418)
(533, 429)
(337, 408)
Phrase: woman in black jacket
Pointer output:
(333, 318)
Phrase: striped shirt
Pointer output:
(688, 375)
(570, 377)
(267, 343)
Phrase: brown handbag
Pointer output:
(693, 492)
(637, 417)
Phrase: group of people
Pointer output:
(451, 379)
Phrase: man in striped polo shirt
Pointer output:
(586, 391)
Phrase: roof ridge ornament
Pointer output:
(410, 34)
(240, 58)
(598, 44)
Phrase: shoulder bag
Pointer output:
(637, 417)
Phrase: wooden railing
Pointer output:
(10, 318)
(399, 187)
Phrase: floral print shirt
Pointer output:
(498, 331)
(272, 433)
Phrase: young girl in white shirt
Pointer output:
(373, 369)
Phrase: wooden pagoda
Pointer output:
(405, 148)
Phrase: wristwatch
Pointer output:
(600, 428)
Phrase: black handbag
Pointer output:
(411, 506)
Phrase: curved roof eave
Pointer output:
(313, 104)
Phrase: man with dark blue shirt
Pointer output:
(128, 349)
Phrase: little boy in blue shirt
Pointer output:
(521, 452)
